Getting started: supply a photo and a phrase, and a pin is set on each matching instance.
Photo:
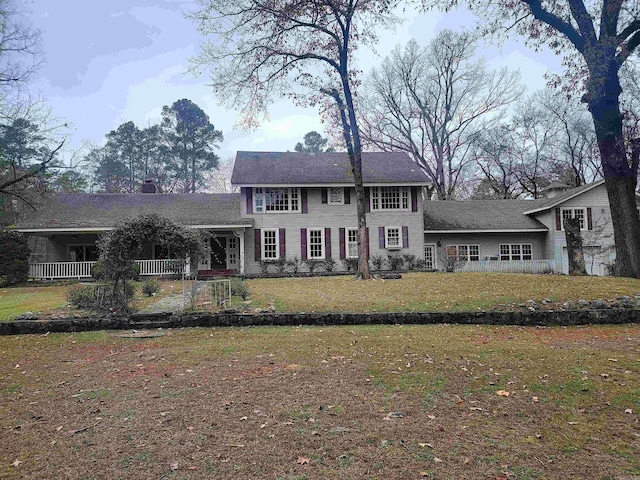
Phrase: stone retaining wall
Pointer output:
(167, 320)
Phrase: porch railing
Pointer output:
(53, 270)
(509, 266)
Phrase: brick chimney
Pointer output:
(148, 186)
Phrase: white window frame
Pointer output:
(322, 244)
(349, 243)
(507, 250)
(387, 244)
(339, 199)
(377, 199)
(432, 247)
(263, 245)
(467, 256)
(572, 214)
(261, 203)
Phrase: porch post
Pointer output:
(241, 238)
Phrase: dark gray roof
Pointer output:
(104, 210)
(499, 215)
(294, 168)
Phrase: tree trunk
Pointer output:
(575, 251)
(620, 176)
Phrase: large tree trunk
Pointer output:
(575, 252)
(620, 174)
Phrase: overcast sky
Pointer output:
(109, 62)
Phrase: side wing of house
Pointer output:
(590, 204)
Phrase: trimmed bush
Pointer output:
(239, 288)
(14, 258)
(150, 287)
(98, 297)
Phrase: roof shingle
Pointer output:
(498, 215)
(295, 168)
(104, 210)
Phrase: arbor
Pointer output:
(192, 139)
(313, 143)
(121, 246)
(596, 39)
(261, 49)
(431, 101)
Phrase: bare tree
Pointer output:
(595, 38)
(262, 49)
(431, 101)
(219, 180)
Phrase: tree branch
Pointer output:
(31, 172)
(565, 28)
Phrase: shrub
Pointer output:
(377, 261)
(409, 261)
(293, 264)
(175, 266)
(395, 262)
(351, 264)
(280, 264)
(14, 258)
(150, 287)
(329, 264)
(312, 264)
(239, 288)
(98, 297)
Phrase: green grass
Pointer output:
(16, 301)
(429, 292)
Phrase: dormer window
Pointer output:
(277, 200)
(336, 196)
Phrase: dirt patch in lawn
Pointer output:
(315, 403)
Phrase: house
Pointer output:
(300, 206)
(483, 233)
(291, 205)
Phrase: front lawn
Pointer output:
(51, 300)
(359, 402)
(430, 292)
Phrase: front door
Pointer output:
(232, 253)
(430, 257)
(218, 253)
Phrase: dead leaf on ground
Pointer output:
(303, 461)
(502, 393)
(16, 463)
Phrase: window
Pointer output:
(270, 244)
(315, 243)
(352, 243)
(389, 198)
(392, 238)
(516, 252)
(574, 213)
(277, 199)
(335, 196)
(468, 253)
(83, 253)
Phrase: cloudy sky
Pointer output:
(111, 62)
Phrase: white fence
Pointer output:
(210, 295)
(508, 266)
(53, 270)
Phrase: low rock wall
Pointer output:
(166, 320)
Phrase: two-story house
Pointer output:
(303, 205)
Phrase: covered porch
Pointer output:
(72, 255)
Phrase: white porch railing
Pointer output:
(53, 270)
(509, 266)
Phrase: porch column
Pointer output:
(241, 238)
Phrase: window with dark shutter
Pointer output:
(249, 196)
(343, 250)
(283, 248)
